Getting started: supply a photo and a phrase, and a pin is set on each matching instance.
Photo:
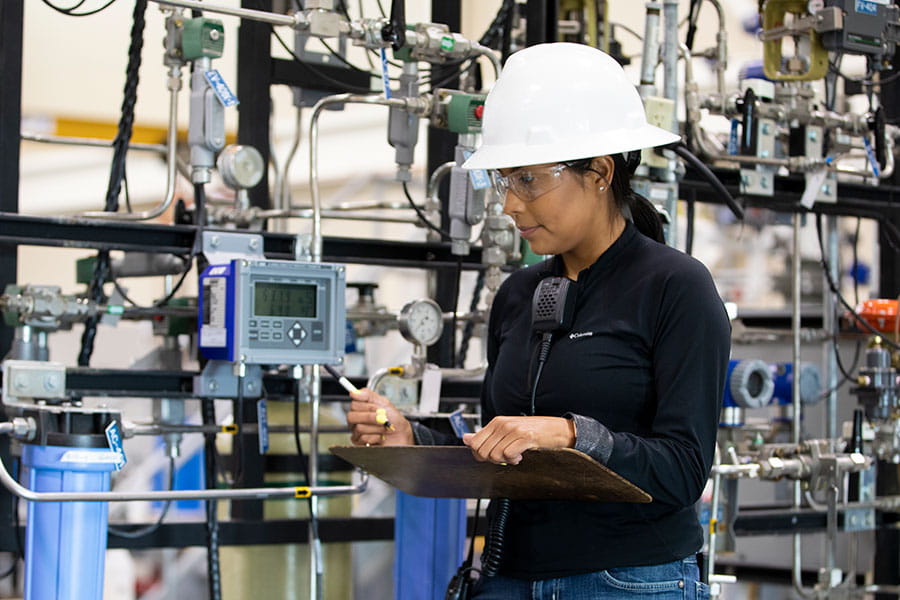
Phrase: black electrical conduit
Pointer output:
(689, 157)
(117, 172)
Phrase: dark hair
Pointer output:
(644, 215)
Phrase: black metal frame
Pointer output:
(11, 30)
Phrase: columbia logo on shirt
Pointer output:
(580, 334)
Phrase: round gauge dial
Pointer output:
(421, 322)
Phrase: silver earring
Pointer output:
(602, 188)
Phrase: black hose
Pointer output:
(116, 173)
(237, 446)
(692, 159)
(832, 284)
(469, 329)
(212, 519)
(689, 234)
(493, 545)
(144, 531)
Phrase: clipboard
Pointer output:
(452, 472)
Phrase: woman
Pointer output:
(637, 379)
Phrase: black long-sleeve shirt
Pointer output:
(641, 371)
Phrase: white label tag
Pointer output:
(114, 437)
(220, 88)
(213, 333)
(85, 456)
(430, 397)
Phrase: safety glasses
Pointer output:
(529, 183)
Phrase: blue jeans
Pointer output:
(677, 580)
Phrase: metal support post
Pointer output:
(11, 26)
(254, 79)
(441, 144)
(542, 17)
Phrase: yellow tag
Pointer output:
(712, 526)
(302, 492)
(395, 370)
(229, 429)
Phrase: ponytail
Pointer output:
(635, 207)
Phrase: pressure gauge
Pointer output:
(421, 322)
(241, 167)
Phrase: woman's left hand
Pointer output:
(504, 439)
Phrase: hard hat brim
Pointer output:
(519, 155)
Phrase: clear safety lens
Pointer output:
(529, 183)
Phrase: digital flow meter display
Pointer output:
(273, 312)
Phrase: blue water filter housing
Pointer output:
(65, 542)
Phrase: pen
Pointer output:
(345, 383)
(380, 414)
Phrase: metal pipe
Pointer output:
(750, 470)
(721, 51)
(670, 55)
(329, 214)
(797, 557)
(245, 13)
(435, 179)
(174, 85)
(405, 103)
(282, 193)
(131, 430)
(713, 525)
(480, 50)
(316, 566)
(91, 142)
(650, 53)
(857, 124)
(236, 494)
(829, 324)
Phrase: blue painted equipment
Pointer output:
(748, 385)
(810, 383)
(429, 536)
(65, 542)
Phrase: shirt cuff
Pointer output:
(592, 437)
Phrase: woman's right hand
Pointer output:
(365, 428)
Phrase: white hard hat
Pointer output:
(558, 102)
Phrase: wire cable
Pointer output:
(159, 303)
(689, 233)
(834, 289)
(68, 11)
(313, 518)
(309, 68)
(12, 567)
(117, 171)
(144, 531)
(682, 151)
(214, 580)
(237, 445)
(444, 235)
(469, 329)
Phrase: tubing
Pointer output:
(404, 103)
(244, 13)
(92, 142)
(171, 160)
(682, 151)
(237, 494)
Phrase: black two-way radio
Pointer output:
(553, 306)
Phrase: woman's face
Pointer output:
(558, 210)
